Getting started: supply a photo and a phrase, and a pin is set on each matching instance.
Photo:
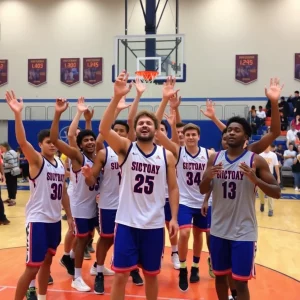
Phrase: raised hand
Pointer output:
(88, 114)
(81, 106)
(171, 118)
(274, 90)
(168, 88)
(250, 173)
(15, 105)
(140, 86)
(121, 88)
(86, 171)
(175, 101)
(61, 105)
(210, 109)
(122, 104)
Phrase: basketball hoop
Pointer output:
(147, 76)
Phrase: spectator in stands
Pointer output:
(289, 156)
(296, 170)
(280, 162)
(254, 122)
(296, 122)
(297, 141)
(253, 109)
(3, 219)
(291, 136)
(23, 162)
(283, 122)
(279, 152)
(284, 107)
(296, 102)
(261, 114)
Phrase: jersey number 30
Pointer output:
(56, 191)
(144, 184)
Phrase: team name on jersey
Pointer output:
(114, 166)
(146, 168)
(55, 177)
(233, 175)
(194, 166)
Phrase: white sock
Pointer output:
(67, 253)
(100, 269)
(174, 248)
(32, 283)
(72, 254)
(41, 297)
(77, 273)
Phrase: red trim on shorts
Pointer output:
(123, 270)
(201, 229)
(151, 273)
(241, 278)
(34, 265)
(221, 273)
(52, 251)
(107, 235)
(82, 235)
(185, 226)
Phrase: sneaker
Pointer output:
(87, 255)
(270, 214)
(296, 189)
(210, 271)
(106, 271)
(262, 207)
(99, 284)
(183, 280)
(5, 222)
(175, 260)
(67, 262)
(50, 280)
(31, 294)
(79, 285)
(230, 298)
(194, 275)
(136, 277)
(64, 217)
(90, 247)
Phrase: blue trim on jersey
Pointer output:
(251, 160)
(178, 158)
(239, 157)
(165, 157)
(216, 157)
(87, 158)
(105, 161)
(51, 162)
(126, 156)
(147, 155)
(41, 169)
(199, 150)
(207, 153)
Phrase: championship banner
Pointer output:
(37, 71)
(3, 71)
(297, 66)
(246, 68)
(69, 70)
(92, 70)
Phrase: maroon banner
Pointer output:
(69, 70)
(37, 71)
(92, 70)
(246, 68)
(3, 71)
(297, 66)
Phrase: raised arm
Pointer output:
(261, 176)
(33, 157)
(168, 144)
(273, 94)
(172, 122)
(88, 116)
(140, 89)
(73, 153)
(173, 192)
(118, 144)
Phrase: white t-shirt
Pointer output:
(271, 159)
(261, 114)
(291, 135)
(288, 162)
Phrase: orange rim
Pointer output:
(147, 75)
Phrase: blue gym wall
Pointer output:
(210, 134)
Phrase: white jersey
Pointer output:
(142, 188)
(83, 197)
(46, 190)
(271, 159)
(70, 185)
(109, 187)
(190, 170)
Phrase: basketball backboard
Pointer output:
(161, 53)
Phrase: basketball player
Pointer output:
(43, 210)
(83, 198)
(140, 216)
(232, 174)
(179, 126)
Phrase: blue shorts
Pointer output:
(168, 215)
(41, 238)
(138, 247)
(189, 217)
(236, 257)
(107, 219)
(84, 227)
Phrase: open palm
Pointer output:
(121, 88)
(210, 109)
(168, 88)
(274, 90)
(140, 86)
(122, 104)
(15, 105)
(81, 106)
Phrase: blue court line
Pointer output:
(107, 100)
